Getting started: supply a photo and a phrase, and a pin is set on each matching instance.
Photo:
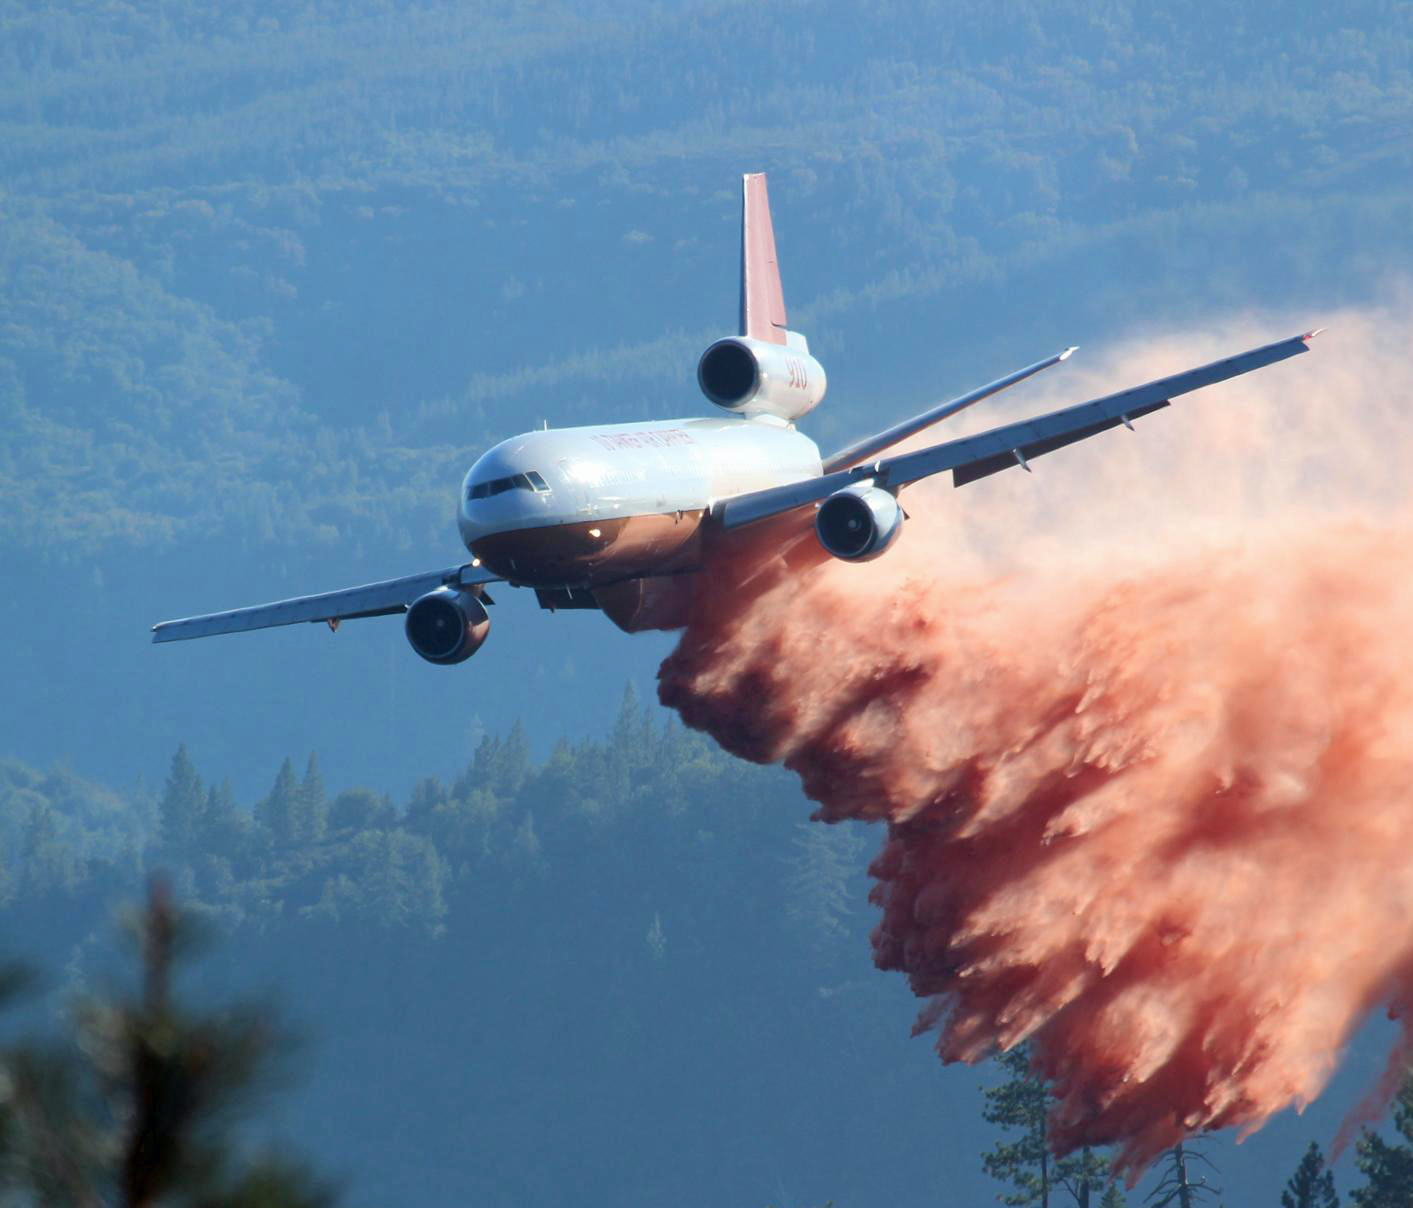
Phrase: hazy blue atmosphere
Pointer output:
(271, 278)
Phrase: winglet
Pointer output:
(762, 300)
(1310, 335)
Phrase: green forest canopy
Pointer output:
(282, 273)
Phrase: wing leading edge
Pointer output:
(853, 454)
(370, 600)
(973, 457)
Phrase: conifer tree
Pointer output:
(514, 763)
(631, 744)
(1022, 1104)
(220, 819)
(1083, 1175)
(1180, 1185)
(1387, 1169)
(628, 726)
(279, 811)
(1113, 1196)
(139, 1113)
(819, 900)
(313, 817)
(179, 813)
(1312, 1185)
(427, 798)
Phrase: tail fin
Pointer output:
(762, 301)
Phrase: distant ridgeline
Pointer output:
(637, 816)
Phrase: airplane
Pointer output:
(626, 518)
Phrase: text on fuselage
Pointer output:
(657, 438)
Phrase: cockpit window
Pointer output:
(532, 481)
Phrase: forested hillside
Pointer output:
(631, 972)
(280, 274)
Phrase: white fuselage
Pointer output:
(572, 507)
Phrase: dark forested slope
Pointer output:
(628, 973)
(279, 273)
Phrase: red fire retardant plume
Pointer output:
(1139, 728)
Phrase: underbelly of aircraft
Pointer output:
(591, 553)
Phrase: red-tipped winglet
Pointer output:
(762, 301)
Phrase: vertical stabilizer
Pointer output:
(762, 301)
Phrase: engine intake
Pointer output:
(755, 377)
(858, 523)
(447, 626)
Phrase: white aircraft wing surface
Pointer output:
(870, 445)
(370, 600)
(973, 457)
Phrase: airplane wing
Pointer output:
(853, 454)
(370, 600)
(973, 457)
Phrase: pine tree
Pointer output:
(500, 766)
(817, 884)
(628, 727)
(1113, 1196)
(632, 742)
(140, 1112)
(1082, 1174)
(1311, 1186)
(428, 798)
(1177, 1188)
(313, 818)
(279, 811)
(180, 811)
(514, 763)
(1021, 1103)
(1388, 1168)
(220, 820)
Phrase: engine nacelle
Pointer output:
(447, 626)
(858, 523)
(754, 377)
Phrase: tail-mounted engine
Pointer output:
(755, 377)
(858, 523)
(447, 626)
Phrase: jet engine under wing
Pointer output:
(973, 457)
(370, 600)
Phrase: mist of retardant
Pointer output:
(1140, 728)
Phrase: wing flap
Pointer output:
(986, 465)
(371, 600)
(1060, 428)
